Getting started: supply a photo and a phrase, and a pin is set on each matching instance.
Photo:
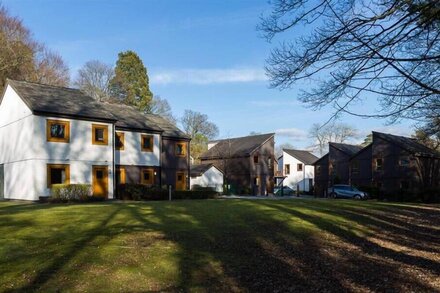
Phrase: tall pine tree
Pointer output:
(130, 83)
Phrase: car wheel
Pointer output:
(357, 196)
(333, 195)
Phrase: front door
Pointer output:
(2, 182)
(180, 181)
(100, 181)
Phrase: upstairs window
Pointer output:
(355, 167)
(404, 161)
(299, 167)
(120, 141)
(287, 169)
(147, 143)
(99, 134)
(57, 174)
(180, 150)
(147, 177)
(257, 181)
(256, 159)
(379, 164)
(58, 131)
(318, 170)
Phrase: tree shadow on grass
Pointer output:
(371, 264)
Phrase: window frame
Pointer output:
(151, 172)
(184, 149)
(298, 168)
(96, 127)
(286, 166)
(49, 167)
(151, 138)
(121, 136)
(256, 159)
(401, 158)
(376, 165)
(355, 167)
(50, 122)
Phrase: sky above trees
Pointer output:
(207, 57)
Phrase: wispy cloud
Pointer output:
(293, 133)
(208, 76)
(274, 103)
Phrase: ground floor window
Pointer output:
(147, 176)
(58, 174)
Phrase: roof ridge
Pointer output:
(46, 85)
(245, 136)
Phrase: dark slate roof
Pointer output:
(236, 147)
(304, 156)
(365, 148)
(324, 157)
(130, 118)
(198, 170)
(349, 149)
(169, 129)
(407, 143)
(59, 101)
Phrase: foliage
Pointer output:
(23, 58)
(130, 84)
(368, 139)
(358, 50)
(94, 79)
(70, 192)
(197, 123)
(429, 134)
(161, 107)
(334, 132)
(279, 148)
(145, 192)
(199, 145)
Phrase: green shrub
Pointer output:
(144, 192)
(70, 192)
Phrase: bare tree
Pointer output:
(160, 106)
(50, 68)
(358, 50)
(197, 123)
(279, 149)
(322, 135)
(94, 79)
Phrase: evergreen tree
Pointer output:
(130, 83)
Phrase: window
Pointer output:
(99, 134)
(404, 161)
(58, 131)
(404, 185)
(147, 143)
(355, 167)
(256, 159)
(299, 167)
(120, 175)
(318, 170)
(119, 141)
(287, 169)
(180, 149)
(147, 176)
(257, 181)
(379, 164)
(58, 174)
(269, 162)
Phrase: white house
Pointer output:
(296, 166)
(51, 135)
(207, 175)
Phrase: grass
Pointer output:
(220, 245)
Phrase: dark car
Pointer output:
(287, 191)
(346, 191)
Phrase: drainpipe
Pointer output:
(113, 161)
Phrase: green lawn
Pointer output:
(221, 245)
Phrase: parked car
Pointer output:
(346, 191)
(286, 191)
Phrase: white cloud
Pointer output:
(293, 133)
(208, 76)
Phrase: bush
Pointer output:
(70, 192)
(144, 192)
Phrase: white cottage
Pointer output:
(207, 175)
(51, 135)
(296, 166)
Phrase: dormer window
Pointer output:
(99, 134)
(58, 131)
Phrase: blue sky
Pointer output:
(201, 55)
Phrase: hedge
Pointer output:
(145, 192)
(71, 193)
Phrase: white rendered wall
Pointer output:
(133, 154)
(211, 178)
(25, 152)
(300, 178)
